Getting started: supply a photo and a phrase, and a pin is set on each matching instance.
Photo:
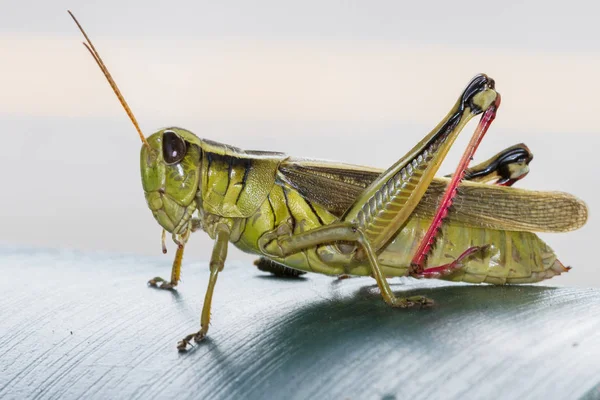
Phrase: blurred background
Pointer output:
(358, 82)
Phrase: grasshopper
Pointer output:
(342, 219)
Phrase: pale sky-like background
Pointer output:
(357, 82)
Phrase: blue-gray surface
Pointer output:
(79, 325)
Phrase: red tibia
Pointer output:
(442, 211)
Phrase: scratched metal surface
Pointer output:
(76, 325)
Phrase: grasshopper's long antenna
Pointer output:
(109, 78)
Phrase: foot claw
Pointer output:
(153, 282)
(197, 337)
(165, 285)
(412, 301)
(421, 301)
(182, 345)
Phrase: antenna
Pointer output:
(110, 80)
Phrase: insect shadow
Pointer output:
(361, 316)
(338, 343)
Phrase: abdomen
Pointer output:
(513, 257)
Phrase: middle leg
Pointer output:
(217, 263)
(286, 245)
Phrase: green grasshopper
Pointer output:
(342, 219)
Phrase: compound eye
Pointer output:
(174, 147)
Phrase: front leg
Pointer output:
(217, 263)
(175, 272)
(181, 241)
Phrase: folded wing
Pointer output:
(336, 185)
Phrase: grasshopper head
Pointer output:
(170, 163)
(170, 167)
